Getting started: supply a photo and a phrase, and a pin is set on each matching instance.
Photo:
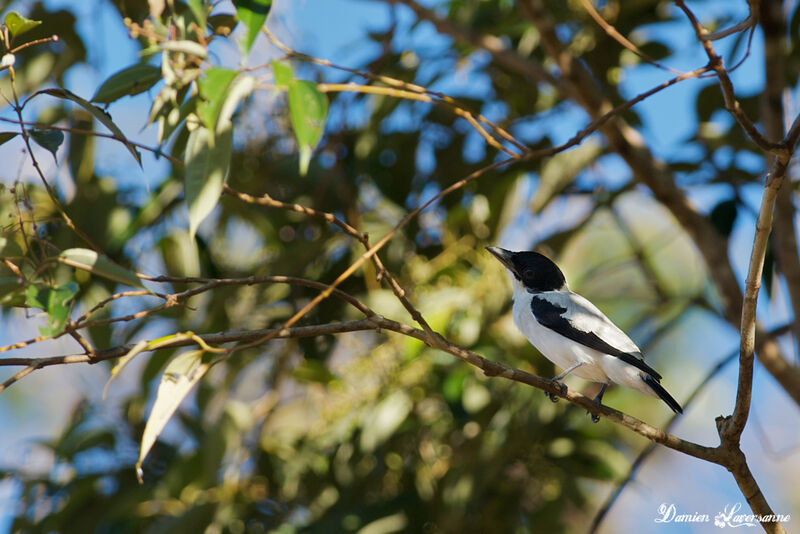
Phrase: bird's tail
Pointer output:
(661, 392)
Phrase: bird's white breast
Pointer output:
(558, 349)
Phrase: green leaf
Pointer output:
(48, 139)
(98, 113)
(283, 74)
(313, 371)
(89, 260)
(199, 12)
(17, 24)
(308, 109)
(213, 89)
(179, 378)
(252, 13)
(5, 137)
(57, 302)
(207, 159)
(238, 91)
(130, 81)
(11, 291)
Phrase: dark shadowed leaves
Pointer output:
(48, 139)
(130, 81)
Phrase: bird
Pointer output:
(572, 332)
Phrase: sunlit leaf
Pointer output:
(57, 302)
(50, 140)
(199, 11)
(89, 260)
(130, 81)
(283, 74)
(308, 110)
(384, 419)
(240, 89)
(213, 89)
(252, 13)
(207, 160)
(179, 378)
(98, 113)
(17, 24)
(191, 48)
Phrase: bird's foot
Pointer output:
(563, 391)
(598, 401)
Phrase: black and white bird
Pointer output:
(571, 332)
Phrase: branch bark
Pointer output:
(784, 242)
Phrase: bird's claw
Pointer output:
(597, 401)
(562, 393)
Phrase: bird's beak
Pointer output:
(504, 256)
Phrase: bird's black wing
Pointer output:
(551, 315)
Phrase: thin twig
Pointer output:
(156, 151)
(490, 368)
(726, 86)
(393, 82)
(621, 39)
(603, 511)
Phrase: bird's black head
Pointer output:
(533, 270)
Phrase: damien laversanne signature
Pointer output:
(728, 517)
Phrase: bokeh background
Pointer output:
(374, 432)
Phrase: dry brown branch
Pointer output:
(746, 24)
(410, 87)
(372, 251)
(41, 126)
(500, 52)
(726, 86)
(489, 367)
(623, 139)
(50, 191)
(212, 283)
(621, 39)
(363, 238)
(410, 95)
(651, 447)
(579, 85)
(785, 238)
(733, 427)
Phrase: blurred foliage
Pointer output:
(365, 432)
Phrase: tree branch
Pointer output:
(785, 239)
(436, 341)
(726, 86)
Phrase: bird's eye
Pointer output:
(527, 274)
